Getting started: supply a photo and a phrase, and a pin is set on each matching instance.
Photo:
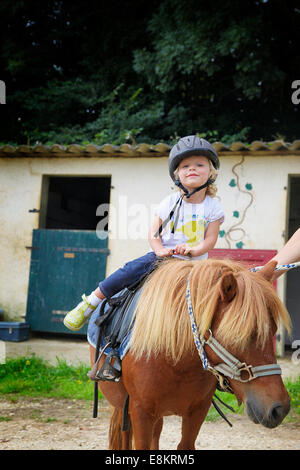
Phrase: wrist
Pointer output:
(197, 251)
(162, 252)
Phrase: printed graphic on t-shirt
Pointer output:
(193, 229)
(191, 222)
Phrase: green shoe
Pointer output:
(76, 318)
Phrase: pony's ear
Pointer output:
(228, 287)
(268, 270)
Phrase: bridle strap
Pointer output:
(197, 340)
(228, 358)
(247, 373)
(231, 367)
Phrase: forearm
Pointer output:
(290, 253)
(209, 241)
(155, 243)
(203, 247)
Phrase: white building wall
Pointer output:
(138, 184)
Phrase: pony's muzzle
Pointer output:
(277, 413)
(271, 417)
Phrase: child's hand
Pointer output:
(183, 249)
(163, 252)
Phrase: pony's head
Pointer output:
(246, 319)
(240, 307)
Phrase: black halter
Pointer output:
(178, 205)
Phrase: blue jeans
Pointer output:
(128, 274)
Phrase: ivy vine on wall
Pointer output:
(236, 229)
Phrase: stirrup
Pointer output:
(108, 371)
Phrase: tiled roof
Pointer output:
(277, 147)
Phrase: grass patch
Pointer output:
(35, 377)
(292, 386)
(230, 400)
(4, 418)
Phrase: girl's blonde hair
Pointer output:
(212, 189)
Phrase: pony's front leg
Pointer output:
(156, 434)
(126, 440)
(191, 424)
(143, 426)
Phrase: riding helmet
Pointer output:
(188, 146)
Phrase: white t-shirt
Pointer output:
(192, 221)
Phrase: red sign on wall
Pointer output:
(251, 258)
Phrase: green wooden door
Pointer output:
(64, 265)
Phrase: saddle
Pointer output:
(109, 331)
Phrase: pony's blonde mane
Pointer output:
(162, 322)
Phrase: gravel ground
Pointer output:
(49, 424)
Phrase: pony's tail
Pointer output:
(118, 439)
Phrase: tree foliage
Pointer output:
(149, 71)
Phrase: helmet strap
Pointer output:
(178, 204)
(187, 194)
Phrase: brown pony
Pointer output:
(163, 373)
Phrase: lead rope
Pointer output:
(280, 267)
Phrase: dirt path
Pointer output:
(32, 424)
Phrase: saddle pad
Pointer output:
(125, 329)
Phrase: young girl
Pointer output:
(186, 224)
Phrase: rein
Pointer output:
(231, 367)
